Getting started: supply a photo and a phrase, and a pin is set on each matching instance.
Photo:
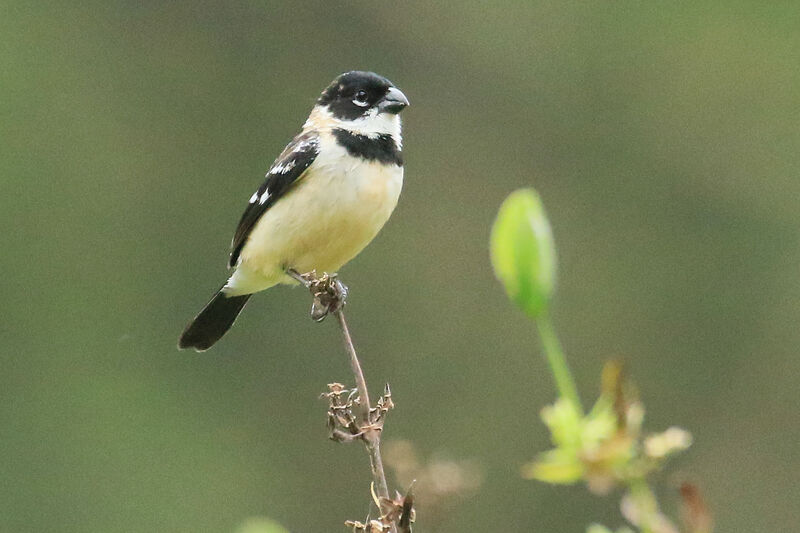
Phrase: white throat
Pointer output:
(371, 125)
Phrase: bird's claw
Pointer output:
(330, 296)
(329, 293)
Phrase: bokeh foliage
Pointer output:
(663, 136)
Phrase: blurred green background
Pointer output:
(663, 138)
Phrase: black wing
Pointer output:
(284, 172)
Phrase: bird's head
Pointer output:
(357, 94)
(363, 102)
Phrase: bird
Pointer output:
(323, 200)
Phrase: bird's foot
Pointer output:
(330, 294)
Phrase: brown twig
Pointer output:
(367, 423)
(371, 431)
(355, 366)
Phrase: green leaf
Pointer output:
(565, 424)
(523, 252)
(554, 466)
(598, 528)
(260, 525)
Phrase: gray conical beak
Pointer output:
(394, 101)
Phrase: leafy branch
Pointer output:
(605, 447)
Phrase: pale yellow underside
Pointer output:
(328, 217)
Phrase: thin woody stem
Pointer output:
(372, 436)
(355, 366)
(370, 429)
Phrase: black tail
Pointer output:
(212, 322)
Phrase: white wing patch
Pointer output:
(284, 167)
(280, 168)
(293, 161)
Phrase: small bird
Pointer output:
(325, 197)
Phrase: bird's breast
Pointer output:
(358, 198)
(356, 188)
(328, 217)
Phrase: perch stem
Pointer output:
(355, 366)
(372, 436)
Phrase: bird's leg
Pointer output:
(304, 279)
(329, 293)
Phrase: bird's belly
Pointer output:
(325, 221)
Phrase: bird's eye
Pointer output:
(360, 98)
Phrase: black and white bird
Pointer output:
(323, 200)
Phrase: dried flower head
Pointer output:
(398, 512)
